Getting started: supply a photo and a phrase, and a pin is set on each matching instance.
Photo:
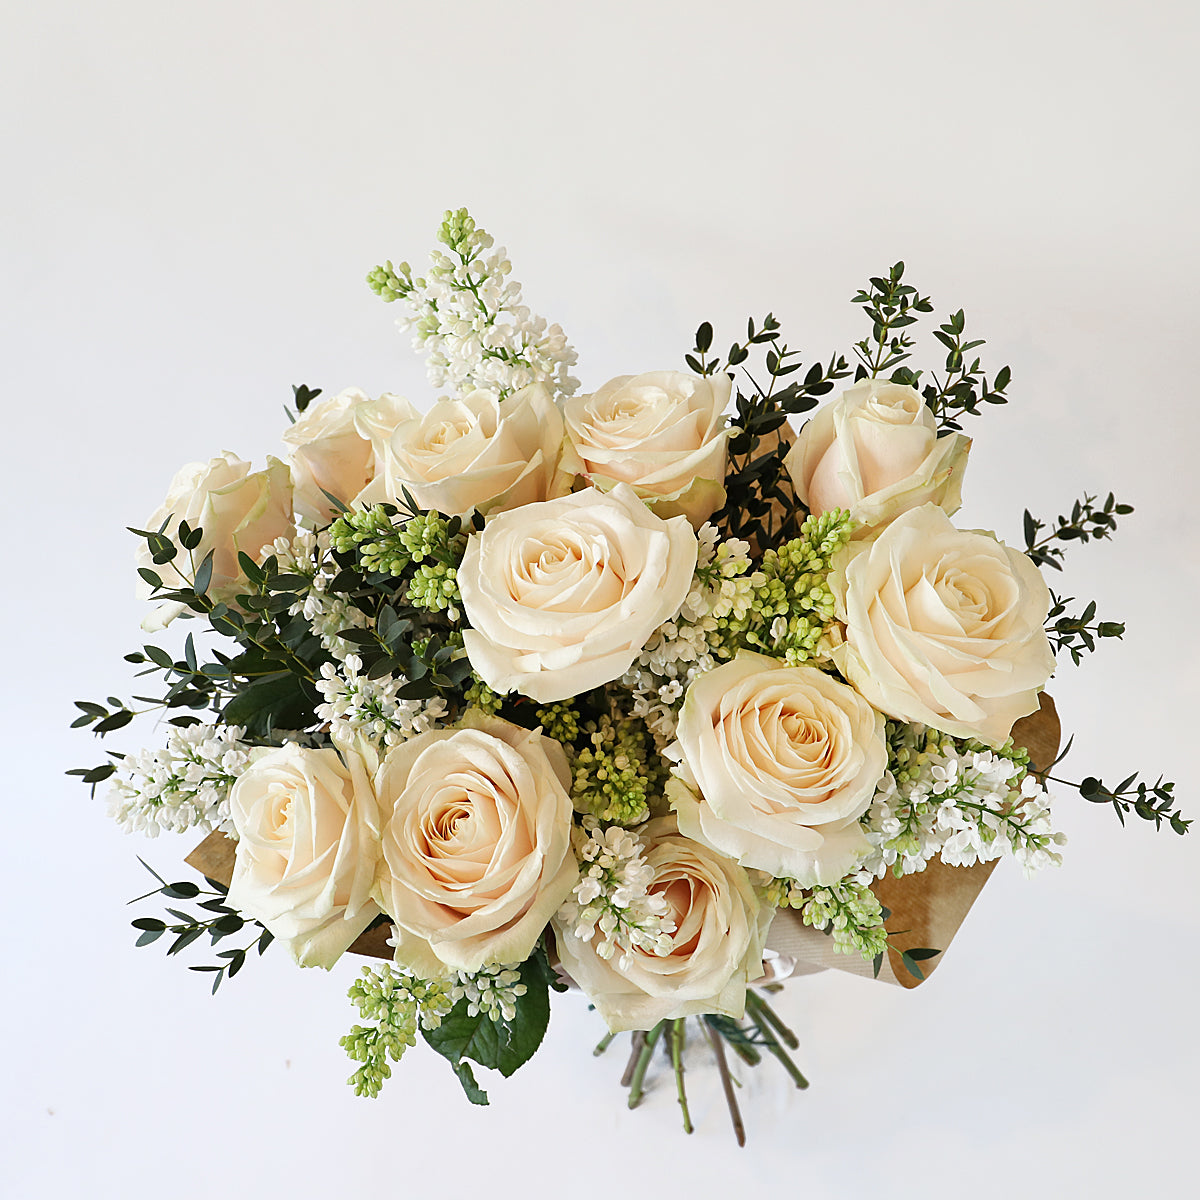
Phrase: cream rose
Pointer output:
(778, 763)
(475, 453)
(330, 454)
(943, 627)
(477, 852)
(308, 841)
(663, 433)
(239, 510)
(716, 948)
(875, 451)
(562, 596)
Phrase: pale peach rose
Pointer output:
(942, 626)
(478, 452)
(875, 451)
(716, 948)
(308, 842)
(663, 433)
(562, 596)
(238, 509)
(477, 850)
(778, 763)
(330, 454)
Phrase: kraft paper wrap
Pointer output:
(930, 905)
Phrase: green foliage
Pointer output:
(761, 505)
(219, 921)
(505, 1044)
(1086, 522)
(400, 566)
(268, 684)
(965, 386)
(1152, 802)
(304, 395)
(1077, 633)
(890, 305)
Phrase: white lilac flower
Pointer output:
(698, 638)
(961, 800)
(493, 991)
(327, 614)
(183, 786)
(611, 902)
(358, 706)
(466, 313)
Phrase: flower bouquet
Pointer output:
(644, 691)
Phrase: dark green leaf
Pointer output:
(466, 1077)
(204, 575)
(502, 1045)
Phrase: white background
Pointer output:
(192, 196)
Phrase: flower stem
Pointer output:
(643, 1061)
(638, 1040)
(754, 1006)
(676, 1036)
(603, 1044)
(747, 1053)
(789, 1038)
(735, 1113)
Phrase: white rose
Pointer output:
(943, 627)
(308, 842)
(238, 510)
(716, 949)
(785, 759)
(475, 453)
(875, 451)
(330, 454)
(477, 852)
(663, 433)
(562, 596)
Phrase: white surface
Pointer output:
(193, 196)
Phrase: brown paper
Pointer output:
(929, 905)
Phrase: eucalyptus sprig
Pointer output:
(965, 386)
(1152, 802)
(1087, 522)
(760, 501)
(890, 305)
(1077, 633)
(189, 927)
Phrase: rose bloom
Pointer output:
(663, 433)
(716, 948)
(475, 453)
(308, 841)
(782, 761)
(875, 451)
(942, 626)
(562, 596)
(330, 454)
(477, 851)
(238, 510)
